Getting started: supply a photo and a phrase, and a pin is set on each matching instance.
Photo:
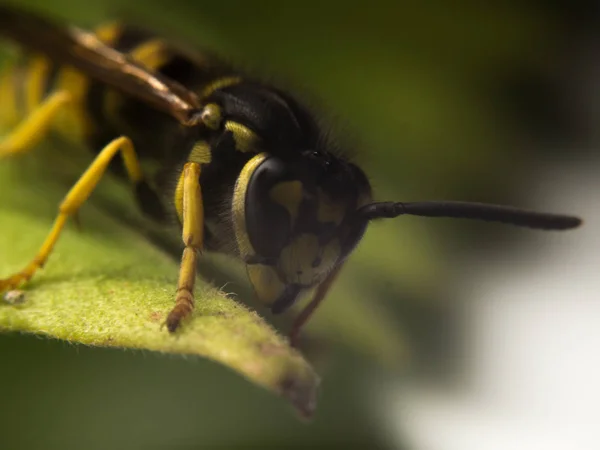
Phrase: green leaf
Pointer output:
(108, 286)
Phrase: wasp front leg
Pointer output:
(191, 212)
(78, 194)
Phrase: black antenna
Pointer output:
(468, 210)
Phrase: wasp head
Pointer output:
(295, 221)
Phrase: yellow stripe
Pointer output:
(37, 74)
(245, 139)
(200, 153)
(75, 124)
(8, 107)
(219, 83)
(33, 87)
(108, 32)
(151, 54)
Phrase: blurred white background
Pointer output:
(533, 333)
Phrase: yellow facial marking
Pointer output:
(219, 83)
(211, 116)
(239, 205)
(289, 195)
(245, 139)
(266, 283)
(200, 153)
(329, 211)
(305, 262)
(297, 258)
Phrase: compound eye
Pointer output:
(320, 158)
(273, 198)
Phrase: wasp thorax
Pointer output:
(293, 221)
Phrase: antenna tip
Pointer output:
(573, 222)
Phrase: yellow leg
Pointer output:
(78, 194)
(35, 126)
(193, 237)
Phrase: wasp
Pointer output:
(246, 168)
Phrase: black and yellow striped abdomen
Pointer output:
(98, 113)
(26, 82)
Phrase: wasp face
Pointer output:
(294, 221)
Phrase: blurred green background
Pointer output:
(440, 101)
